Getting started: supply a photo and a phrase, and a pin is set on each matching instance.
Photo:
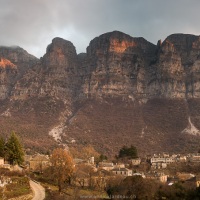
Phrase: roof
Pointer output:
(120, 169)
(40, 157)
(137, 174)
(105, 164)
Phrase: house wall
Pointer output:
(198, 183)
(1, 161)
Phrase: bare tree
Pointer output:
(62, 166)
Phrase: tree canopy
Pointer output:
(62, 166)
(84, 152)
(14, 151)
(128, 152)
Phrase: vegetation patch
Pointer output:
(18, 187)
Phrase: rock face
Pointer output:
(55, 75)
(117, 66)
(14, 62)
(178, 66)
(123, 90)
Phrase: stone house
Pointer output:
(161, 162)
(162, 159)
(136, 161)
(39, 162)
(95, 179)
(159, 165)
(157, 176)
(195, 157)
(119, 165)
(106, 165)
(122, 171)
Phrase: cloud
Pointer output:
(33, 24)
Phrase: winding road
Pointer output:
(39, 191)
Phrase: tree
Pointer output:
(84, 152)
(2, 147)
(102, 158)
(62, 166)
(83, 173)
(14, 150)
(134, 187)
(128, 152)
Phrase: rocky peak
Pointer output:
(182, 41)
(117, 42)
(16, 55)
(59, 52)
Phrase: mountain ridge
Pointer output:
(123, 90)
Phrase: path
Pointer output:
(39, 191)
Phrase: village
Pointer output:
(99, 174)
(78, 170)
(156, 165)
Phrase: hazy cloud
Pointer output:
(32, 24)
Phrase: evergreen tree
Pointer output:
(2, 147)
(14, 150)
(128, 152)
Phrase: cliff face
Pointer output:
(14, 62)
(178, 67)
(122, 90)
(118, 66)
(55, 75)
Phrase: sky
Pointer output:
(32, 24)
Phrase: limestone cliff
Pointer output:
(117, 66)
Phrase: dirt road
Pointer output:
(39, 191)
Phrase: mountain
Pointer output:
(122, 91)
